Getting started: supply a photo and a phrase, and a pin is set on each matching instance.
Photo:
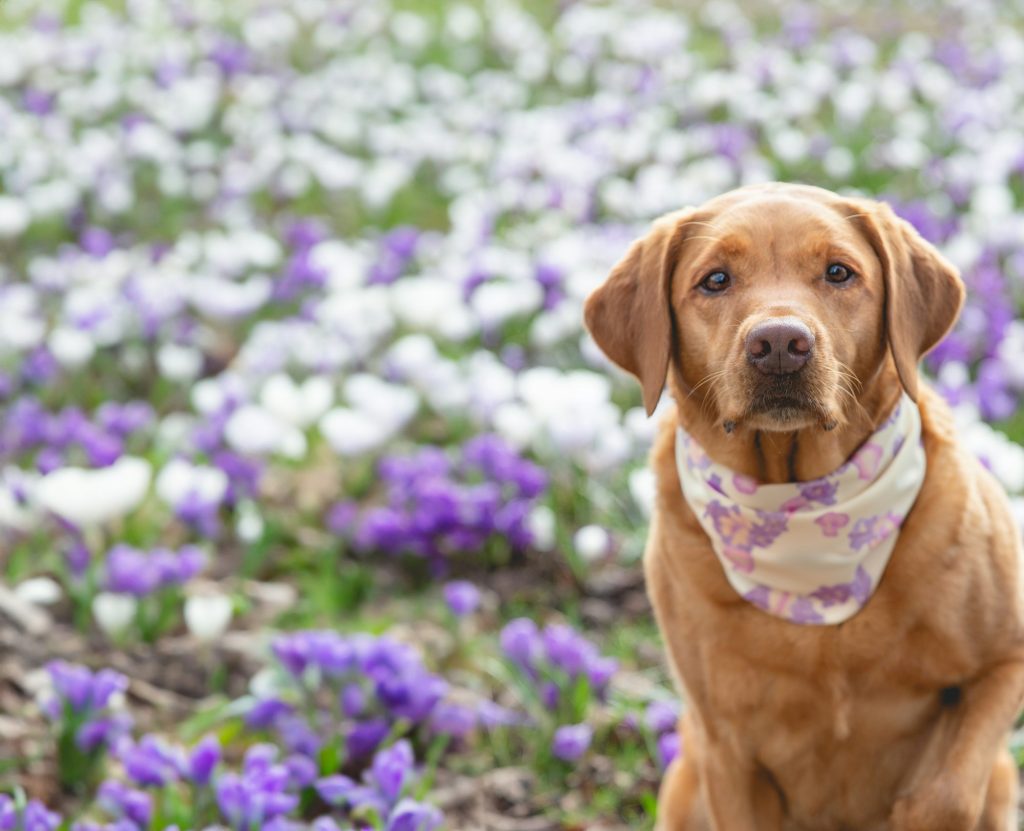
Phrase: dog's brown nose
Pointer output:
(780, 346)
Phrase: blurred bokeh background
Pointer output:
(301, 437)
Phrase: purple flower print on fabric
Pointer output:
(832, 595)
(861, 587)
(803, 611)
(870, 531)
(741, 558)
(759, 596)
(822, 491)
(737, 530)
(858, 590)
(832, 522)
(867, 460)
(744, 484)
(730, 524)
(771, 526)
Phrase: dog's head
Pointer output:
(776, 304)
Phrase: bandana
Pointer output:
(810, 552)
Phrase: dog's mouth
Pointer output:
(785, 403)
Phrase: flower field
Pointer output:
(318, 508)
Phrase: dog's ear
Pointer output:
(923, 290)
(628, 315)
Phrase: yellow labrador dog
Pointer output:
(837, 581)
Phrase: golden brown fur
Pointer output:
(820, 728)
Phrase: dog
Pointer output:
(789, 323)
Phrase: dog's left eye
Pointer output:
(838, 273)
(715, 282)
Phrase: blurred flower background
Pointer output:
(317, 505)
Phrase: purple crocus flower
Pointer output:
(123, 802)
(130, 571)
(661, 716)
(453, 720)
(409, 815)
(341, 518)
(491, 716)
(520, 641)
(152, 763)
(391, 769)
(462, 597)
(259, 793)
(34, 816)
(202, 761)
(103, 731)
(83, 698)
(298, 736)
(571, 741)
(669, 745)
(77, 557)
(265, 712)
(138, 573)
(302, 771)
(365, 737)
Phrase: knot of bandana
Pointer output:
(810, 552)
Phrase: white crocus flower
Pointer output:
(179, 363)
(227, 299)
(297, 404)
(591, 542)
(40, 591)
(15, 216)
(541, 524)
(433, 305)
(353, 433)
(344, 266)
(71, 347)
(643, 489)
(179, 480)
(500, 300)
(87, 498)
(114, 613)
(208, 616)
(391, 404)
(249, 525)
(253, 430)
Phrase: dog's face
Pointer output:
(779, 304)
(775, 304)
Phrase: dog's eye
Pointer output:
(715, 282)
(838, 273)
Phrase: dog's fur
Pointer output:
(896, 719)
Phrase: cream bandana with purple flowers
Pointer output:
(810, 552)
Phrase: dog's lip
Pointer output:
(784, 393)
(783, 409)
(780, 402)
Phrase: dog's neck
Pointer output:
(774, 457)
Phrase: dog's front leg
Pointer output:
(714, 786)
(738, 795)
(951, 793)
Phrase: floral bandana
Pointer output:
(810, 552)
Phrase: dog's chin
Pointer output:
(783, 405)
(783, 415)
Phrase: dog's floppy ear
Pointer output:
(628, 315)
(923, 290)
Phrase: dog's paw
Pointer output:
(937, 806)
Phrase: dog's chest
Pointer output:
(813, 713)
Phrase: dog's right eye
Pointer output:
(715, 282)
